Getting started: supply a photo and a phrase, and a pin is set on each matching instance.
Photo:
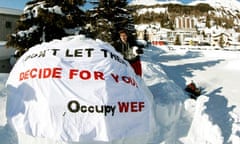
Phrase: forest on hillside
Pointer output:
(200, 11)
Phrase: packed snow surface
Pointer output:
(214, 118)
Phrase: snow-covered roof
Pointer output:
(10, 11)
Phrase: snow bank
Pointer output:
(3, 96)
(214, 115)
(168, 97)
(167, 104)
(5, 53)
(78, 70)
(213, 118)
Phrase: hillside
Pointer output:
(220, 13)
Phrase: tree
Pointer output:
(45, 20)
(208, 21)
(108, 17)
(221, 41)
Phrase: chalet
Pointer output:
(8, 18)
(220, 39)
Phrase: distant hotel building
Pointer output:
(8, 19)
(186, 30)
(185, 23)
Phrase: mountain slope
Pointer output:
(153, 2)
(225, 14)
(229, 4)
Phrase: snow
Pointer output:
(230, 4)
(10, 11)
(27, 32)
(214, 118)
(155, 10)
(5, 53)
(153, 2)
(33, 9)
(226, 8)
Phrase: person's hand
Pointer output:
(137, 51)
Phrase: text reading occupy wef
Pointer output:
(84, 75)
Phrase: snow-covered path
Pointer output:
(214, 118)
(216, 114)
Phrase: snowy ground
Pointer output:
(214, 118)
(5, 52)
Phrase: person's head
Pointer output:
(123, 36)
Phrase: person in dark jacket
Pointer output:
(193, 90)
(130, 51)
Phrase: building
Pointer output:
(8, 18)
(185, 28)
(185, 22)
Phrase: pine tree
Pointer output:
(208, 21)
(108, 17)
(45, 20)
(99, 21)
(221, 41)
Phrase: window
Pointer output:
(8, 24)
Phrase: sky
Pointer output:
(15, 4)
(19, 4)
